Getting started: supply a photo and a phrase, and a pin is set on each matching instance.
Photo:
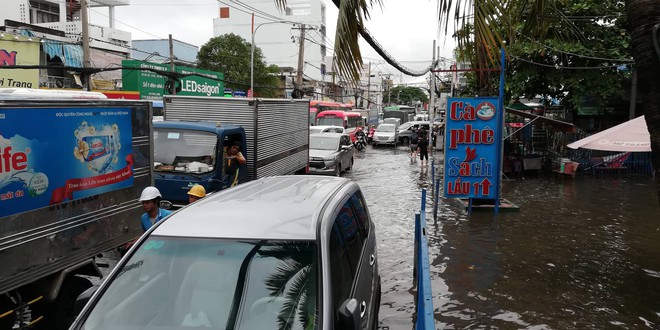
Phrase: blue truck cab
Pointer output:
(190, 153)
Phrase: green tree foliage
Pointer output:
(230, 54)
(548, 66)
(405, 95)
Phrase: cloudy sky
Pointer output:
(406, 29)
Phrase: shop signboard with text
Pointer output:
(54, 155)
(151, 85)
(473, 143)
(18, 50)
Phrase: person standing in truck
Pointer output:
(233, 159)
(150, 199)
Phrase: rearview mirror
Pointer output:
(349, 315)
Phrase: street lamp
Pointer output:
(252, 53)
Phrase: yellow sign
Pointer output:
(18, 52)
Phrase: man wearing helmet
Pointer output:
(150, 198)
(196, 193)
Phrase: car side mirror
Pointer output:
(349, 315)
(345, 147)
(83, 299)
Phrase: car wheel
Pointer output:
(338, 170)
(405, 140)
(350, 166)
(376, 310)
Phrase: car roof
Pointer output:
(276, 208)
(386, 124)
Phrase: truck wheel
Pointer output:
(338, 170)
(62, 313)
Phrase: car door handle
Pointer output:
(372, 260)
(363, 309)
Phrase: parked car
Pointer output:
(283, 252)
(330, 153)
(405, 130)
(395, 121)
(386, 134)
(326, 129)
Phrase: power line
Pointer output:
(580, 55)
(558, 67)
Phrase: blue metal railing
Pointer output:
(422, 275)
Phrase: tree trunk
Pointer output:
(642, 16)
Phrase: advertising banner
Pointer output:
(50, 156)
(19, 52)
(472, 148)
(151, 85)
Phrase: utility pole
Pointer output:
(172, 64)
(432, 96)
(87, 63)
(369, 87)
(301, 57)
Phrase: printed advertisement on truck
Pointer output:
(93, 155)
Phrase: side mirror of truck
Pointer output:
(349, 315)
(83, 299)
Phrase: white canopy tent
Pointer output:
(631, 136)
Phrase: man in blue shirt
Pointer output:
(150, 199)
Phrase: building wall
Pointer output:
(276, 39)
(182, 51)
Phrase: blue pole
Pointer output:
(423, 200)
(499, 130)
(436, 205)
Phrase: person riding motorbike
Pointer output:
(360, 139)
(370, 136)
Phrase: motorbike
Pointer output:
(370, 136)
(360, 143)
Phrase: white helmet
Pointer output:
(149, 193)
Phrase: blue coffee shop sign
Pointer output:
(473, 144)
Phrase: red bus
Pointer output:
(346, 119)
(316, 107)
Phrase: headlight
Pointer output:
(331, 159)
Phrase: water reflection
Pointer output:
(580, 253)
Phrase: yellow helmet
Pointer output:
(197, 191)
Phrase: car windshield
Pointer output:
(385, 128)
(174, 283)
(331, 121)
(405, 126)
(323, 142)
(181, 150)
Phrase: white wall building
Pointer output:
(279, 42)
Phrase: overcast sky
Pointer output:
(405, 29)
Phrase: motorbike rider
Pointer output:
(360, 137)
(370, 136)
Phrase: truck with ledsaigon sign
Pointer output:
(71, 172)
(472, 148)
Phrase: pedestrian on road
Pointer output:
(414, 139)
(423, 147)
(150, 199)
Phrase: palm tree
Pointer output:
(643, 26)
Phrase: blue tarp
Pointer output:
(71, 55)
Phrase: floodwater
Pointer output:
(581, 253)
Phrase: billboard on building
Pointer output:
(15, 52)
(151, 85)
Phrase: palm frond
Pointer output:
(294, 296)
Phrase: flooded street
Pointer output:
(580, 253)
